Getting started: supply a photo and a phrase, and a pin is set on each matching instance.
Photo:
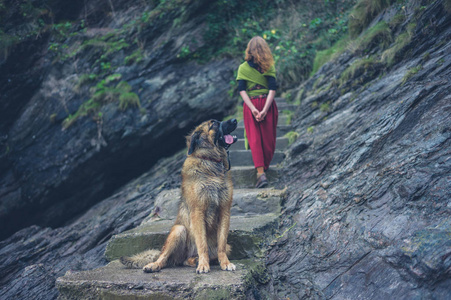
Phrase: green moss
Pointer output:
(289, 114)
(317, 82)
(310, 129)
(291, 136)
(314, 104)
(52, 118)
(363, 13)
(357, 67)
(128, 99)
(389, 56)
(324, 56)
(103, 92)
(287, 96)
(410, 73)
(297, 99)
(379, 34)
(397, 20)
(134, 58)
(325, 107)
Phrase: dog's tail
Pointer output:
(139, 260)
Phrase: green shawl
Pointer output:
(253, 77)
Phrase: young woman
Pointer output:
(257, 86)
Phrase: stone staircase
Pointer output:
(253, 211)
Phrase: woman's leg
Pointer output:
(269, 134)
(254, 135)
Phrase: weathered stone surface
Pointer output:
(244, 158)
(32, 259)
(244, 236)
(246, 176)
(367, 213)
(48, 174)
(245, 202)
(114, 281)
(368, 202)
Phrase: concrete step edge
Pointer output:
(113, 281)
(243, 236)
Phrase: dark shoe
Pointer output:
(261, 182)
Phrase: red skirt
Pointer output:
(261, 135)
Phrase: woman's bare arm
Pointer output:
(249, 104)
(268, 103)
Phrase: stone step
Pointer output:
(281, 144)
(114, 281)
(286, 106)
(282, 120)
(244, 157)
(245, 202)
(282, 129)
(246, 176)
(243, 236)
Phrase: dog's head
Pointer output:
(212, 134)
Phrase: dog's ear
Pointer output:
(193, 143)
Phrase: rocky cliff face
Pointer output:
(368, 216)
(368, 205)
(65, 142)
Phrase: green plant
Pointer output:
(103, 92)
(52, 118)
(326, 55)
(357, 68)
(397, 20)
(324, 107)
(128, 99)
(363, 13)
(289, 114)
(410, 73)
(379, 34)
(310, 129)
(184, 52)
(389, 56)
(135, 57)
(291, 136)
(288, 96)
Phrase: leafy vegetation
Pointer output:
(410, 73)
(291, 136)
(363, 13)
(103, 92)
(328, 54)
(378, 35)
(358, 67)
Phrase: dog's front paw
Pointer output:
(203, 268)
(152, 267)
(228, 266)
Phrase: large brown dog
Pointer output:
(202, 225)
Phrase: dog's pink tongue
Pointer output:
(228, 139)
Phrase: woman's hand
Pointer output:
(256, 114)
(261, 116)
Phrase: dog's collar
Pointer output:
(217, 160)
(210, 159)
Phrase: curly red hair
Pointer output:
(258, 49)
